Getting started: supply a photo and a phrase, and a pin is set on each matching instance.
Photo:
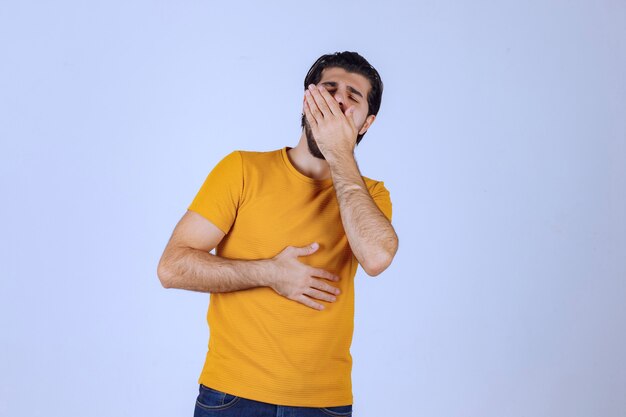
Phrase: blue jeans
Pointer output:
(214, 403)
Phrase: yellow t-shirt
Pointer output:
(263, 346)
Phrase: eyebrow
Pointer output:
(350, 88)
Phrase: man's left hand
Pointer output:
(335, 131)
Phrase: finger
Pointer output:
(333, 105)
(320, 101)
(322, 273)
(309, 116)
(306, 250)
(313, 107)
(309, 302)
(321, 285)
(320, 295)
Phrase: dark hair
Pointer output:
(351, 62)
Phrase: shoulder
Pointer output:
(241, 159)
(257, 157)
(374, 186)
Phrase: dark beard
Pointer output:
(310, 140)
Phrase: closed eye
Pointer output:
(351, 97)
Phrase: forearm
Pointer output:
(197, 270)
(371, 236)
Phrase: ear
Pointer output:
(368, 122)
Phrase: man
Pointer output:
(290, 227)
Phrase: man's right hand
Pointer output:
(298, 282)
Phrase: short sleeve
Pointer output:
(381, 197)
(219, 196)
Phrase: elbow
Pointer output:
(166, 270)
(375, 268)
(372, 272)
(164, 275)
(379, 262)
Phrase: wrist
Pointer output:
(267, 272)
(338, 157)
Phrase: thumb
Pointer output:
(307, 250)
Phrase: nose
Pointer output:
(339, 96)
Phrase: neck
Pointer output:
(306, 163)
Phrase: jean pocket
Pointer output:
(340, 410)
(212, 399)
